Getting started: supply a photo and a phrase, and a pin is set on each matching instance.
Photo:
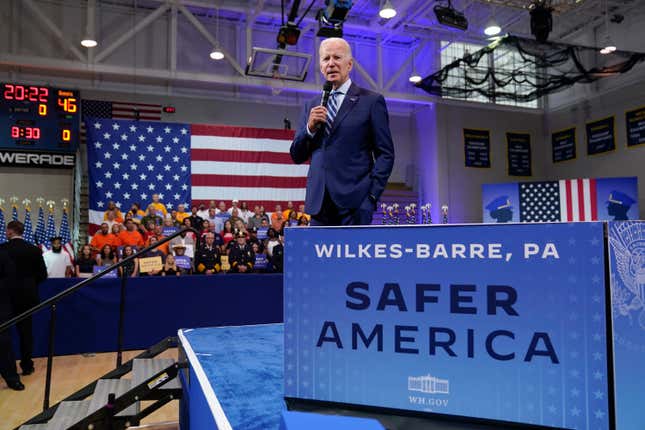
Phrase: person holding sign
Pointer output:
(170, 268)
(241, 255)
(183, 261)
(152, 263)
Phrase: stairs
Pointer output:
(113, 401)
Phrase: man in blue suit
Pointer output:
(349, 144)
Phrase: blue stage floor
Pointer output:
(244, 367)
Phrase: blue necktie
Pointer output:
(332, 110)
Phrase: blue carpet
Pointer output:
(244, 365)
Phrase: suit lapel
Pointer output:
(351, 98)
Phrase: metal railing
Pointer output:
(53, 301)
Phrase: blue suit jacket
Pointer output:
(357, 157)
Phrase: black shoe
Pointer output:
(16, 385)
(29, 371)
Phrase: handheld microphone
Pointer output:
(325, 93)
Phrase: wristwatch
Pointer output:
(372, 198)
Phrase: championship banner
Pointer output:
(635, 124)
(563, 145)
(477, 147)
(600, 136)
(627, 264)
(519, 154)
(496, 322)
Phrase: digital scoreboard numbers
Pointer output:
(37, 118)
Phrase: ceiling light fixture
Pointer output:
(609, 46)
(387, 10)
(216, 53)
(89, 41)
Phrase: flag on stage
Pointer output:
(128, 161)
(3, 233)
(578, 200)
(66, 237)
(14, 213)
(28, 234)
(565, 200)
(39, 233)
(51, 231)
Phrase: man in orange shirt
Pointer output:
(130, 236)
(103, 237)
(277, 218)
(290, 208)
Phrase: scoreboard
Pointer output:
(39, 119)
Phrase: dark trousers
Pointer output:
(8, 369)
(22, 302)
(330, 214)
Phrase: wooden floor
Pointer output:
(70, 373)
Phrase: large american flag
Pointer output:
(564, 200)
(129, 161)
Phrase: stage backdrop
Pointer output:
(598, 199)
(129, 161)
(499, 322)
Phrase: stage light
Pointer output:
(288, 35)
(89, 42)
(217, 54)
(608, 49)
(492, 29)
(330, 18)
(387, 10)
(450, 17)
(541, 20)
(415, 78)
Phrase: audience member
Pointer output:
(303, 221)
(277, 259)
(207, 260)
(290, 208)
(244, 212)
(131, 236)
(202, 211)
(221, 208)
(152, 216)
(170, 268)
(181, 213)
(111, 207)
(272, 241)
(234, 205)
(187, 239)
(277, 219)
(241, 256)
(101, 238)
(30, 271)
(130, 268)
(180, 257)
(58, 262)
(235, 217)
(116, 229)
(227, 232)
(107, 256)
(111, 220)
(137, 213)
(195, 220)
(84, 262)
(302, 213)
(256, 219)
(155, 252)
(159, 207)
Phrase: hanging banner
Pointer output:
(519, 154)
(477, 147)
(635, 123)
(498, 322)
(600, 136)
(563, 145)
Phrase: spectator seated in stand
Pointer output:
(256, 219)
(101, 238)
(186, 239)
(181, 259)
(291, 220)
(221, 215)
(170, 268)
(277, 258)
(228, 234)
(195, 220)
(181, 214)
(261, 263)
(106, 257)
(235, 217)
(111, 219)
(290, 208)
(244, 212)
(303, 221)
(277, 218)
(136, 212)
(153, 253)
(84, 263)
(152, 215)
(131, 268)
(160, 208)
(111, 207)
(241, 256)
(58, 261)
(131, 236)
(207, 259)
(302, 213)
(235, 204)
(202, 211)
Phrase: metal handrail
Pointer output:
(53, 301)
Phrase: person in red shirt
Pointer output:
(131, 236)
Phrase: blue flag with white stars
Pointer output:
(129, 161)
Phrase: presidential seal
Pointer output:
(628, 288)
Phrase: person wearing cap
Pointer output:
(207, 259)
(618, 205)
(185, 239)
(30, 271)
(500, 209)
(241, 255)
(179, 251)
(58, 262)
(234, 205)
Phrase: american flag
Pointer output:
(3, 233)
(51, 232)
(39, 233)
(195, 163)
(129, 161)
(28, 234)
(66, 238)
(565, 200)
(14, 213)
(122, 110)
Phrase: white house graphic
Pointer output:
(428, 384)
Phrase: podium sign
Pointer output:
(497, 322)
